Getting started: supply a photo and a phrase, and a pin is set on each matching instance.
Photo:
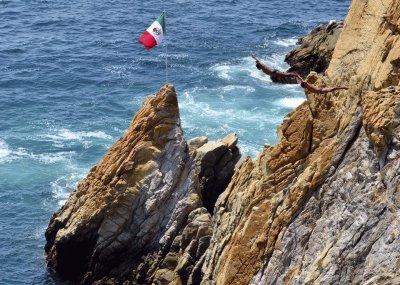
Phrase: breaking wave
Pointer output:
(63, 186)
(7, 155)
(65, 134)
(290, 102)
(4, 150)
(286, 42)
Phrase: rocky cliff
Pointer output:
(139, 213)
(320, 207)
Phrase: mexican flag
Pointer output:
(154, 34)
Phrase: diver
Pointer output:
(273, 72)
(295, 76)
(313, 89)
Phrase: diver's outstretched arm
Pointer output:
(323, 90)
(337, 88)
(274, 72)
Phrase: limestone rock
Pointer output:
(264, 196)
(230, 140)
(122, 209)
(343, 232)
(369, 46)
(138, 216)
(321, 206)
(197, 142)
(381, 119)
(216, 163)
(187, 248)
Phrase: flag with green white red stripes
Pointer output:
(154, 34)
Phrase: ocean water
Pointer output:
(72, 75)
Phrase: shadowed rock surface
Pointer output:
(313, 53)
(216, 161)
(315, 50)
(319, 207)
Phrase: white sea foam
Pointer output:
(174, 55)
(7, 155)
(4, 153)
(229, 71)
(290, 102)
(63, 186)
(255, 106)
(50, 158)
(66, 135)
(4, 150)
(286, 42)
(275, 61)
(230, 88)
(245, 68)
(260, 76)
(222, 71)
(251, 150)
(221, 113)
(120, 70)
(292, 87)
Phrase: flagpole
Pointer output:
(166, 50)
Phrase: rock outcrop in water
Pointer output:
(139, 213)
(315, 50)
(313, 53)
(320, 207)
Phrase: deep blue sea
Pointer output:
(72, 75)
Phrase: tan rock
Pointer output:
(269, 201)
(370, 45)
(230, 140)
(138, 217)
(197, 142)
(381, 119)
(125, 198)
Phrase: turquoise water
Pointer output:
(72, 75)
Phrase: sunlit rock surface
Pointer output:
(319, 207)
(139, 213)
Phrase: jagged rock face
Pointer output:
(138, 216)
(216, 161)
(315, 50)
(381, 118)
(321, 206)
(264, 196)
(370, 46)
(345, 230)
(348, 231)
(120, 207)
